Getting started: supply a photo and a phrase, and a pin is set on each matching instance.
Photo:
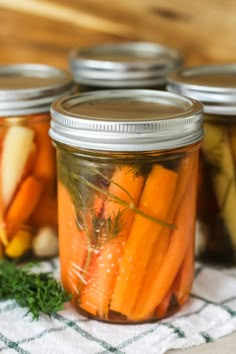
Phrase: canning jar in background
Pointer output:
(28, 196)
(127, 169)
(215, 86)
(125, 65)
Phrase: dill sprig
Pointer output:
(39, 292)
(104, 230)
(122, 202)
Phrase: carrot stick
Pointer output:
(162, 244)
(72, 244)
(161, 310)
(104, 267)
(181, 285)
(45, 163)
(3, 233)
(185, 276)
(45, 213)
(24, 203)
(156, 201)
(180, 241)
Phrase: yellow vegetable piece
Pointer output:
(232, 138)
(20, 243)
(218, 153)
(3, 235)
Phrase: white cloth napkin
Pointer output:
(209, 314)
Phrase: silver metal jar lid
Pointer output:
(135, 64)
(213, 85)
(31, 88)
(126, 120)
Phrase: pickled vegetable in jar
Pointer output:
(127, 173)
(215, 86)
(123, 65)
(28, 189)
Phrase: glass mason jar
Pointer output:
(127, 169)
(125, 65)
(28, 195)
(215, 86)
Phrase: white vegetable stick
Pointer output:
(16, 149)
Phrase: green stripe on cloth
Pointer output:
(42, 334)
(207, 337)
(232, 298)
(53, 264)
(8, 307)
(180, 333)
(226, 308)
(12, 345)
(15, 345)
(198, 271)
(38, 336)
(72, 324)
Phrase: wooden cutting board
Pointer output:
(45, 31)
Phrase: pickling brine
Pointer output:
(28, 188)
(129, 254)
(28, 198)
(126, 218)
(215, 86)
(217, 191)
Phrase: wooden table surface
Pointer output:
(45, 31)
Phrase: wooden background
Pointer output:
(44, 31)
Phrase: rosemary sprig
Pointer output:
(38, 292)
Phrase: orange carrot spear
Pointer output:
(45, 162)
(185, 276)
(162, 309)
(3, 233)
(24, 203)
(96, 295)
(162, 244)
(155, 201)
(180, 241)
(45, 214)
(72, 243)
(180, 288)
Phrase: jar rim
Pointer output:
(213, 85)
(31, 88)
(133, 64)
(126, 120)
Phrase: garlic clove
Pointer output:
(45, 243)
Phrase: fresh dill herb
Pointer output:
(104, 230)
(81, 194)
(38, 292)
(83, 180)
